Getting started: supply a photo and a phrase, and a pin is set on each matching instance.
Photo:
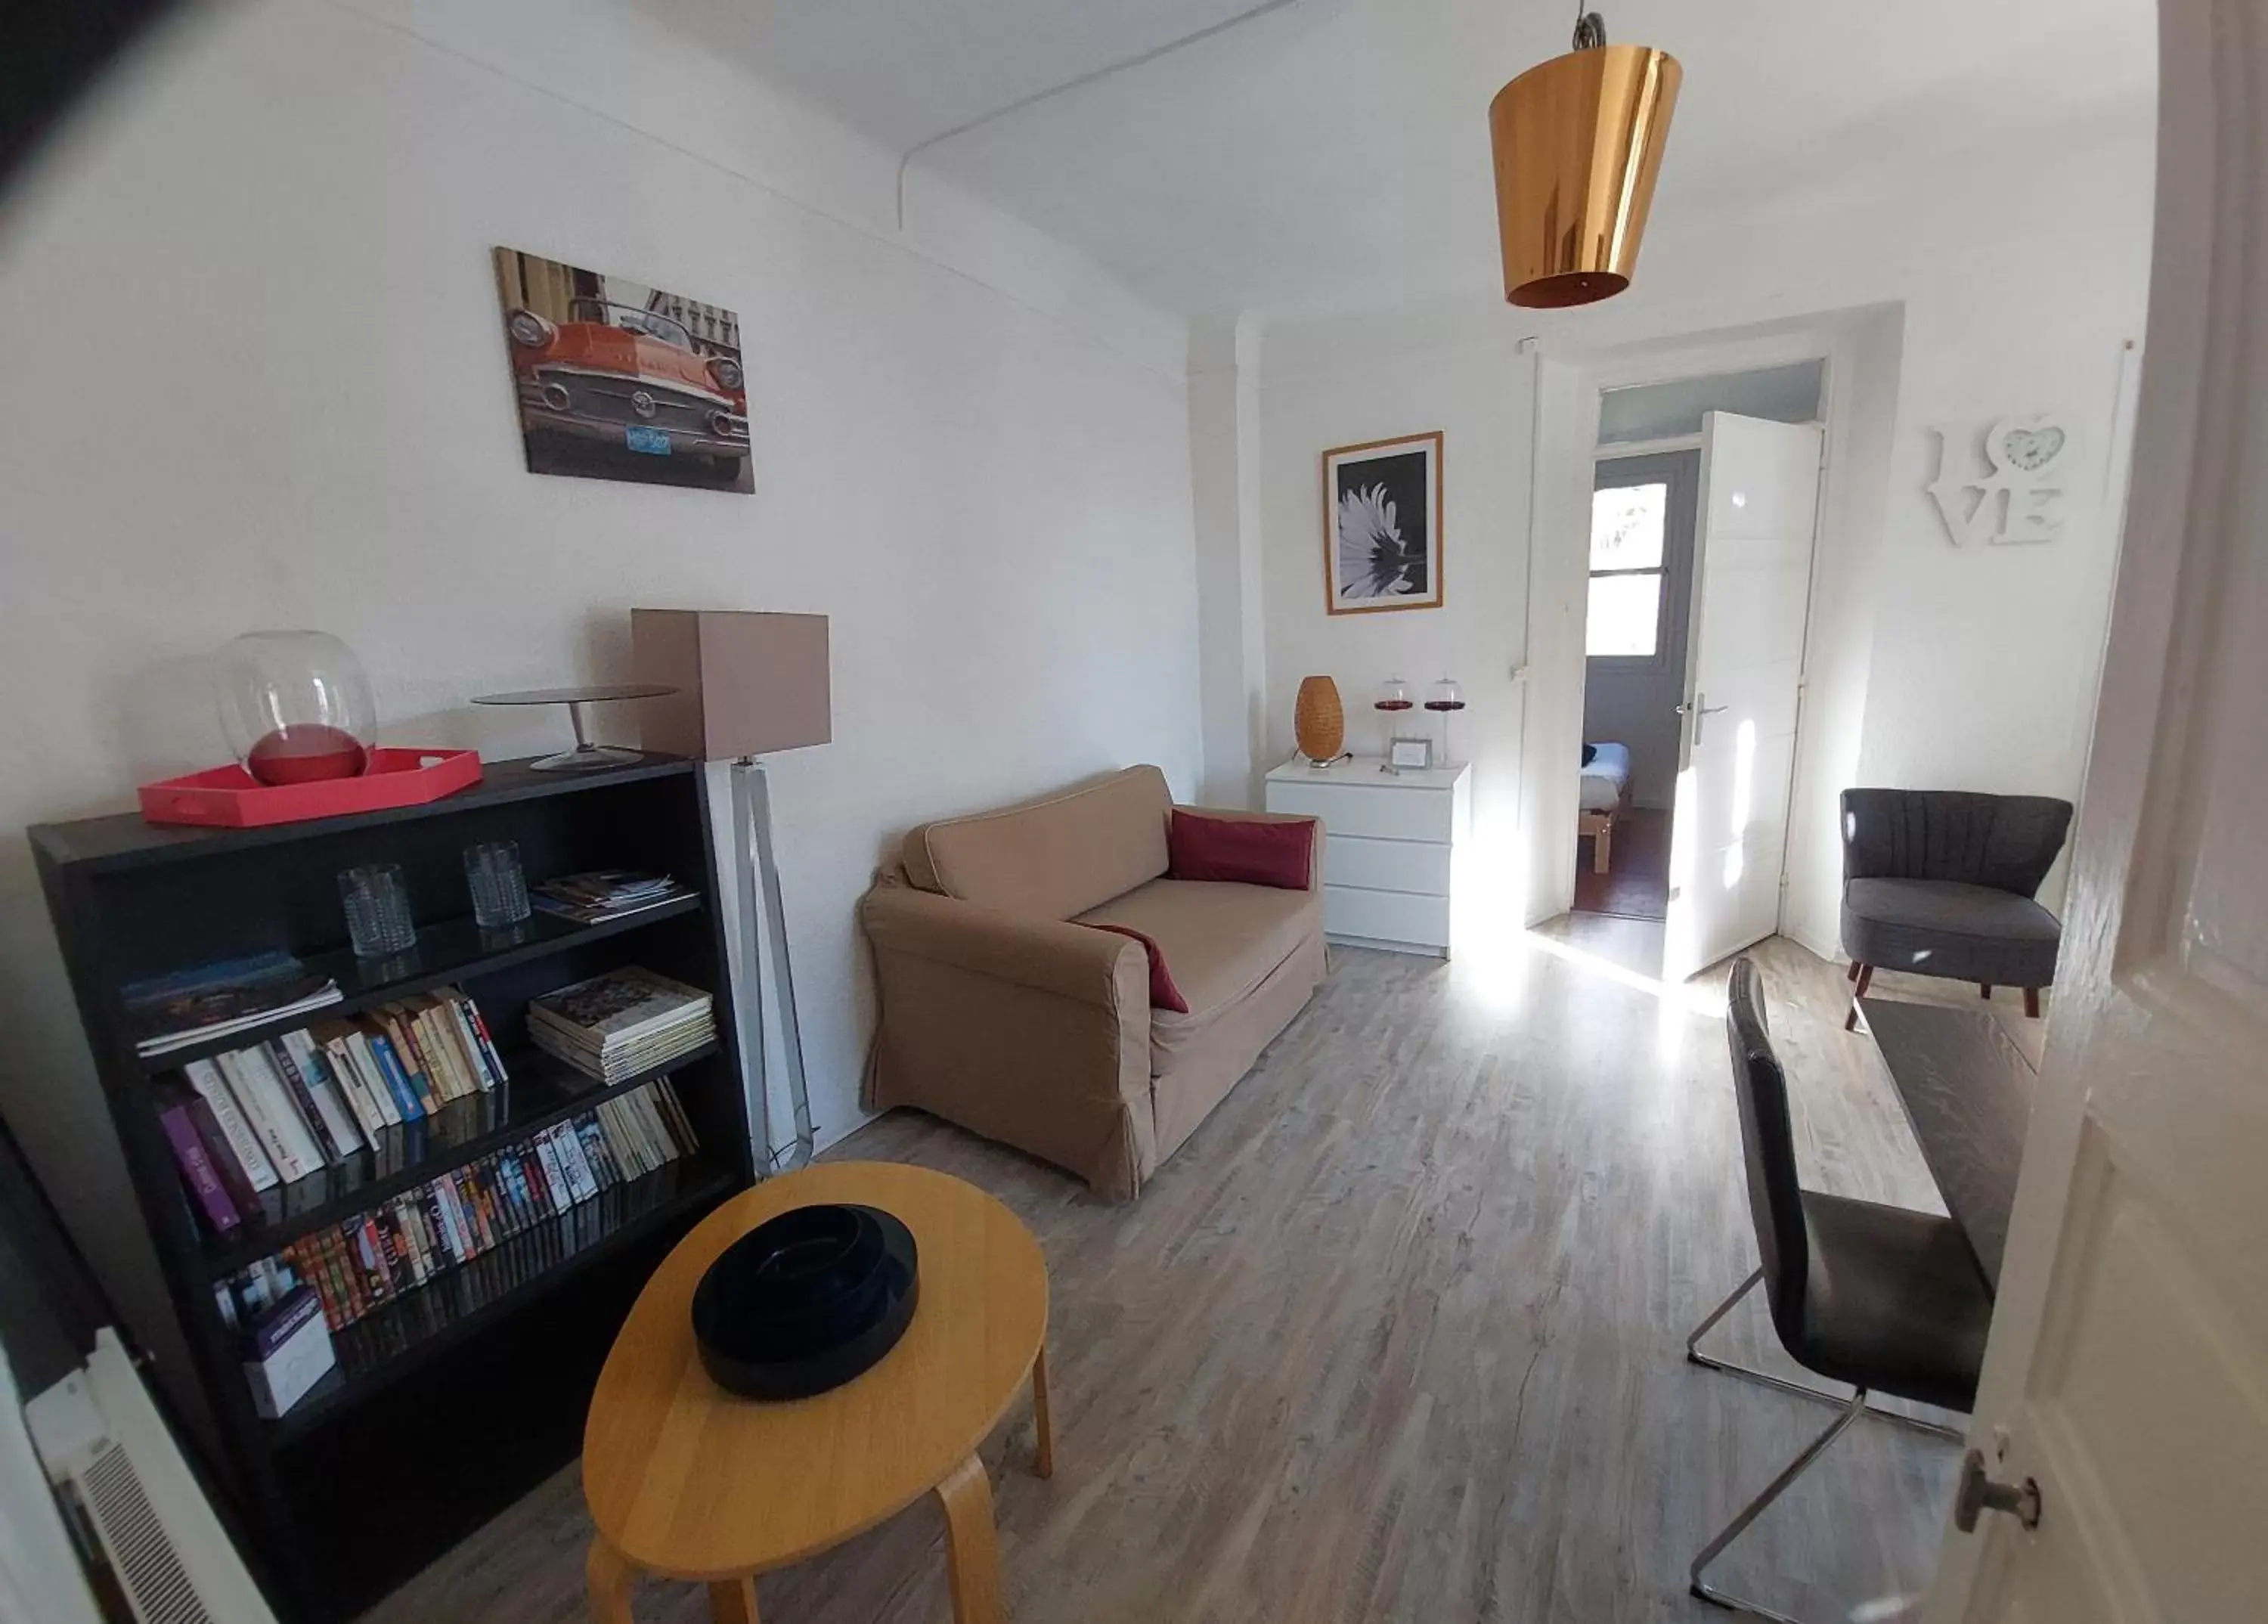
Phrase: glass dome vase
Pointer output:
(295, 706)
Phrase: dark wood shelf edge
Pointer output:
(241, 1251)
(125, 840)
(711, 1184)
(424, 981)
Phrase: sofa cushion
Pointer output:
(1943, 928)
(1221, 940)
(1163, 993)
(1051, 858)
(1281, 854)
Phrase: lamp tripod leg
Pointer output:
(749, 1009)
(783, 966)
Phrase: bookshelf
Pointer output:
(452, 1399)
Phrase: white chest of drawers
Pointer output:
(1391, 842)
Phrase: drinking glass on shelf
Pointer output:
(499, 887)
(377, 904)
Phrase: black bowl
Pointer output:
(806, 1300)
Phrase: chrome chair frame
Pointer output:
(1851, 1409)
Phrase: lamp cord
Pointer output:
(1590, 29)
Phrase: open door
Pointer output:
(1759, 506)
(2126, 1377)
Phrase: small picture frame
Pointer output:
(1408, 754)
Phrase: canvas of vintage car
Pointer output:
(615, 380)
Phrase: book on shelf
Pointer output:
(188, 1007)
(603, 894)
(459, 1217)
(286, 1351)
(616, 1025)
(334, 1098)
(191, 1153)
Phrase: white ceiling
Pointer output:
(1334, 152)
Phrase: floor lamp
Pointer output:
(748, 684)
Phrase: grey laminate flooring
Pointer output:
(1398, 1335)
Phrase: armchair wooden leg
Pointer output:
(1851, 970)
(1984, 990)
(1858, 991)
(2032, 1002)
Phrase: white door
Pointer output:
(2127, 1372)
(1759, 505)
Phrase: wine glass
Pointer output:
(1445, 698)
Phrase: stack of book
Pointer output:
(616, 1025)
(380, 1256)
(189, 1007)
(605, 894)
(268, 1115)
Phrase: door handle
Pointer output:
(1978, 1493)
(1700, 713)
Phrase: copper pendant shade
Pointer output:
(1577, 140)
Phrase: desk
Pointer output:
(1967, 1090)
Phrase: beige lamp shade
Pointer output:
(1578, 142)
(749, 682)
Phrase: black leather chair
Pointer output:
(1886, 1300)
(1939, 883)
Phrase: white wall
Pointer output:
(1476, 396)
(1980, 297)
(251, 374)
(1226, 480)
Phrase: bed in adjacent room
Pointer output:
(1605, 792)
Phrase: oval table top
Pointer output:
(691, 1482)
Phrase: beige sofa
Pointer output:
(1002, 1011)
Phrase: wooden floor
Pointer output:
(1398, 1335)
(1636, 884)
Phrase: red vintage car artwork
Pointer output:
(619, 381)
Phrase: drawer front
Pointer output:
(1387, 865)
(1387, 916)
(1380, 814)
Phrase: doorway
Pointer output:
(1702, 516)
(1637, 621)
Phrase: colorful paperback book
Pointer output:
(282, 1135)
(197, 1171)
(618, 1006)
(243, 1142)
(173, 1011)
(397, 1079)
(339, 1135)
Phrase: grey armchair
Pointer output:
(1939, 883)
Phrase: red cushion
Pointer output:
(1238, 849)
(1163, 993)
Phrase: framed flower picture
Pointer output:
(1383, 526)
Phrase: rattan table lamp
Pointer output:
(1319, 721)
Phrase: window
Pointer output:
(1626, 541)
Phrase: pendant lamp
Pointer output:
(1578, 142)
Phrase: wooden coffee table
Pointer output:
(687, 1481)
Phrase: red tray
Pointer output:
(231, 798)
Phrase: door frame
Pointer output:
(1569, 381)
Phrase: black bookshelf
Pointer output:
(453, 1399)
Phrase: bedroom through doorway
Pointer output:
(1639, 716)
